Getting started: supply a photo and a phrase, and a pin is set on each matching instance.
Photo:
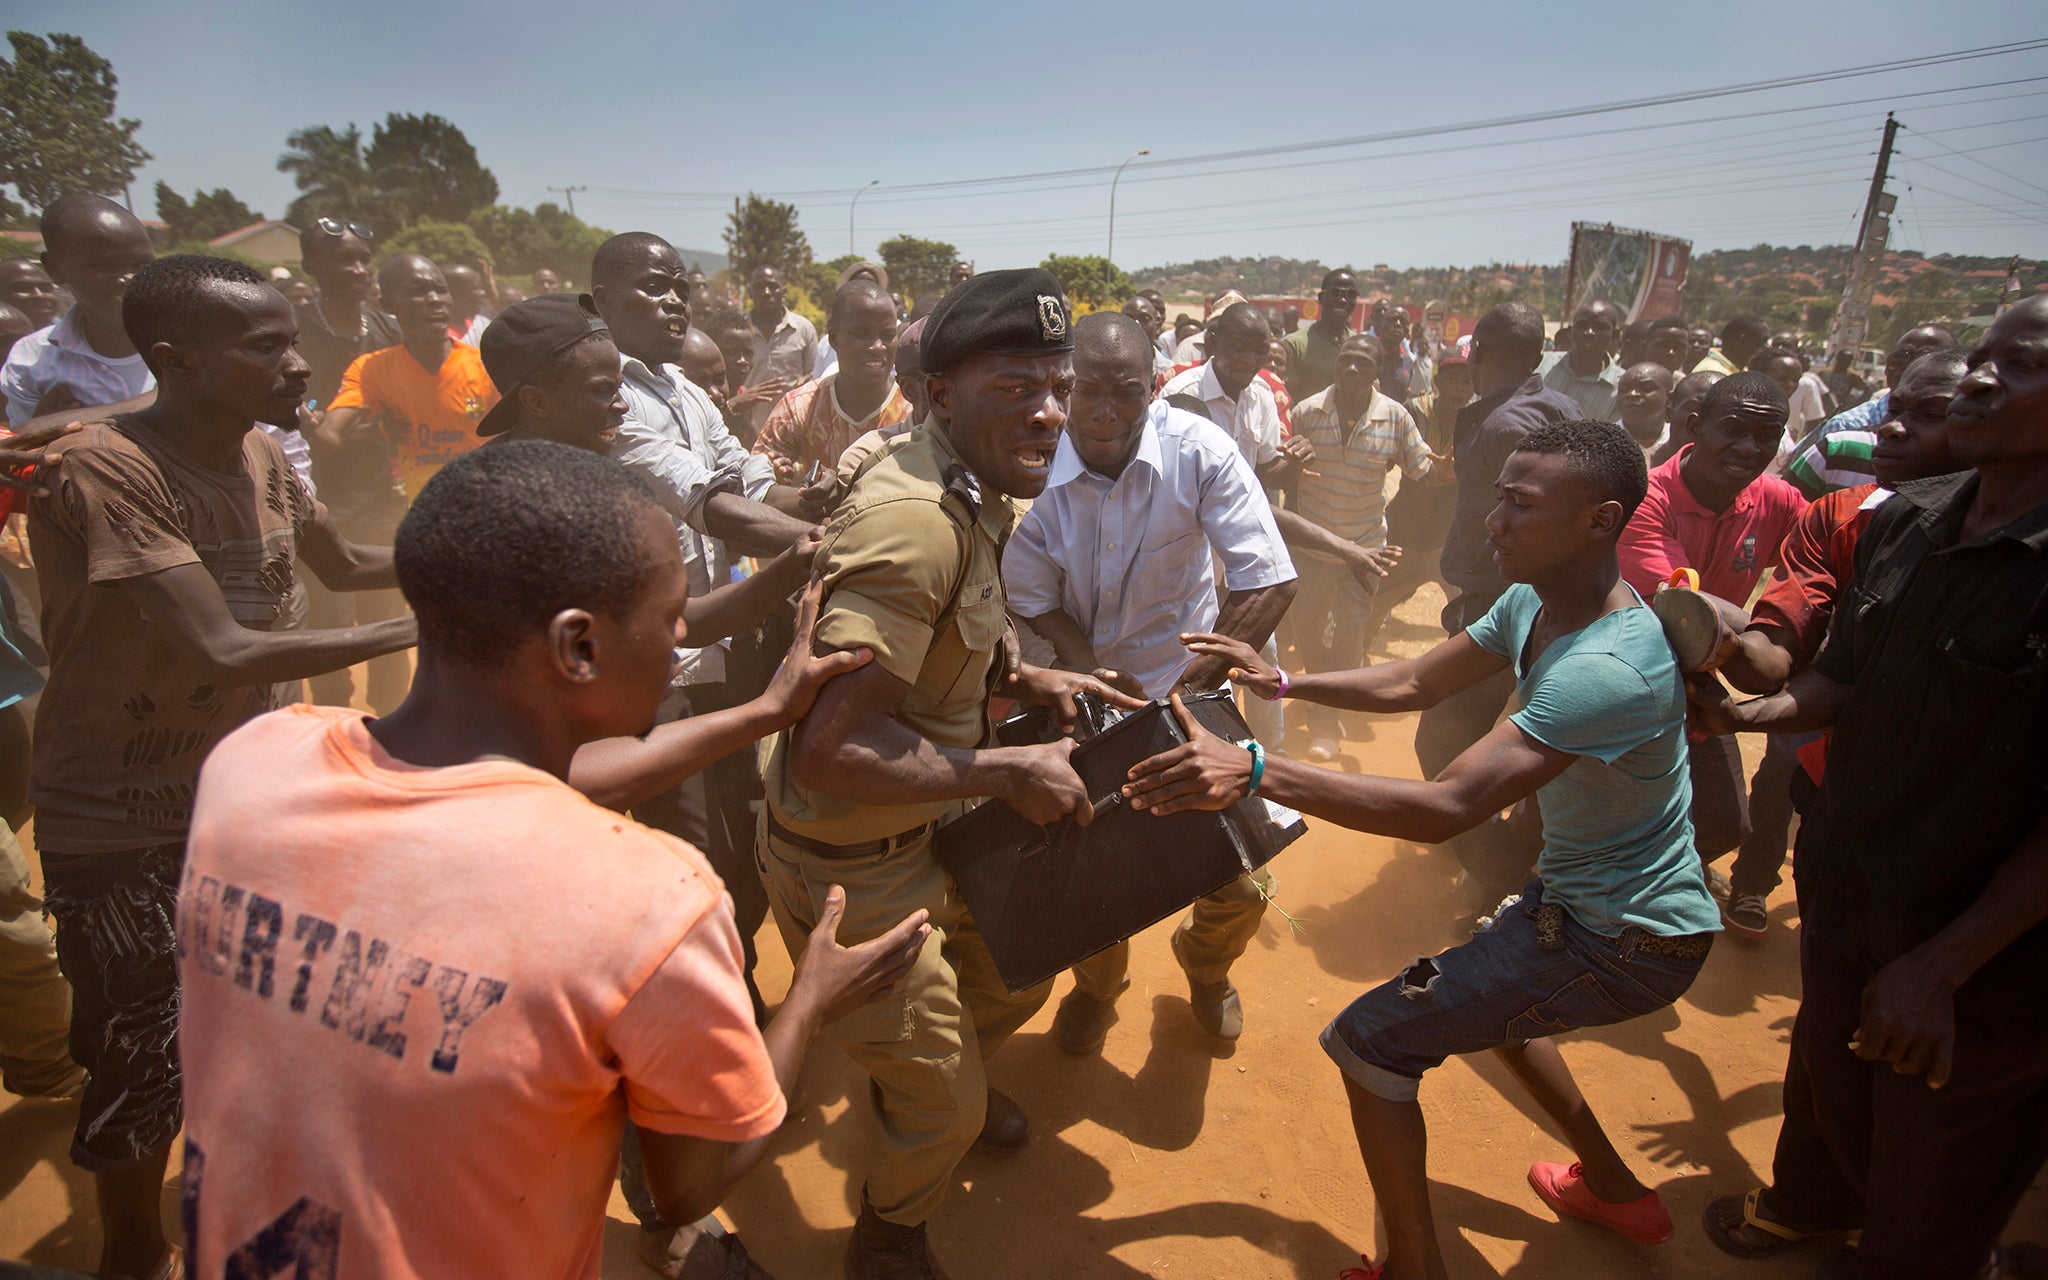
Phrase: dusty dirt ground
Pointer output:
(1170, 1155)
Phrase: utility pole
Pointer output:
(570, 194)
(1109, 257)
(1852, 319)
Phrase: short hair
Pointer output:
(1742, 386)
(1956, 357)
(1245, 314)
(1601, 456)
(72, 214)
(1669, 322)
(723, 320)
(1636, 331)
(1745, 329)
(620, 254)
(1696, 383)
(1514, 331)
(1115, 334)
(164, 300)
(1330, 277)
(315, 243)
(1762, 359)
(858, 289)
(389, 271)
(1379, 349)
(505, 537)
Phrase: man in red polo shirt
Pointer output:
(1712, 509)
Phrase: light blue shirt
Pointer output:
(1132, 560)
(676, 439)
(1617, 824)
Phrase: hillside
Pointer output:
(1792, 287)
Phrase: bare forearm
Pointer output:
(1302, 534)
(619, 773)
(2014, 902)
(753, 528)
(1761, 662)
(269, 657)
(740, 606)
(788, 1038)
(354, 567)
(1403, 808)
(1811, 701)
(888, 764)
(1249, 616)
(1387, 686)
(1067, 639)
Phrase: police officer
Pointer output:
(912, 572)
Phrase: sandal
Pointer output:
(704, 1250)
(1726, 1215)
(1699, 627)
(1370, 1270)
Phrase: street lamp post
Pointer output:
(1109, 262)
(858, 193)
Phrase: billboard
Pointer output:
(1640, 271)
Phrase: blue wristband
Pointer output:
(1258, 751)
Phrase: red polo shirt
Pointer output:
(1729, 549)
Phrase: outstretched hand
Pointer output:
(802, 673)
(1708, 708)
(1046, 687)
(842, 979)
(1247, 669)
(1206, 772)
(29, 450)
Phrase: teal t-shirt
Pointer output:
(1617, 825)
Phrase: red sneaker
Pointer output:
(1563, 1188)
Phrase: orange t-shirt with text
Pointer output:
(420, 1003)
(435, 411)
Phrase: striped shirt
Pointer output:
(1348, 492)
(1598, 395)
(1840, 460)
(59, 356)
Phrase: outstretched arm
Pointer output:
(1211, 773)
(1412, 684)
(186, 602)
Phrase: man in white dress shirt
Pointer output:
(1113, 564)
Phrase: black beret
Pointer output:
(1011, 313)
(523, 338)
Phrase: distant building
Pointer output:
(269, 241)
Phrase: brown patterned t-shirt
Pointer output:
(126, 718)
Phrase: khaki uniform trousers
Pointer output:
(1215, 933)
(923, 1045)
(35, 1001)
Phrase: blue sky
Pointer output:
(666, 110)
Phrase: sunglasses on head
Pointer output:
(337, 228)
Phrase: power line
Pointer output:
(1498, 122)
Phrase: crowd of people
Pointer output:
(675, 618)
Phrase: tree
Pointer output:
(206, 215)
(1081, 275)
(523, 241)
(447, 243)
(333, 178)
(763, 233)
(428, 169)
(918, 267)
(57, 127)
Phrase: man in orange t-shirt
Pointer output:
(427, 979)
(429, 391)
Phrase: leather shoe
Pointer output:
(1005, 1127)
(883, 1250)
(1217, 1008)
(1083, 1021)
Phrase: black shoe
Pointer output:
(1006, 1127)
(1083, 1021)
(882, 1250)
(1217, 1008)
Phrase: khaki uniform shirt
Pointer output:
(912, 565)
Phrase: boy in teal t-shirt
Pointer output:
(1618, 921)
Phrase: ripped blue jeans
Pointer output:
(1533, 972)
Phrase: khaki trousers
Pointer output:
(923, 1045)
(1215, 933)
(35, 1001)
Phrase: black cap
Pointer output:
(1011, 313)
(525, 336)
